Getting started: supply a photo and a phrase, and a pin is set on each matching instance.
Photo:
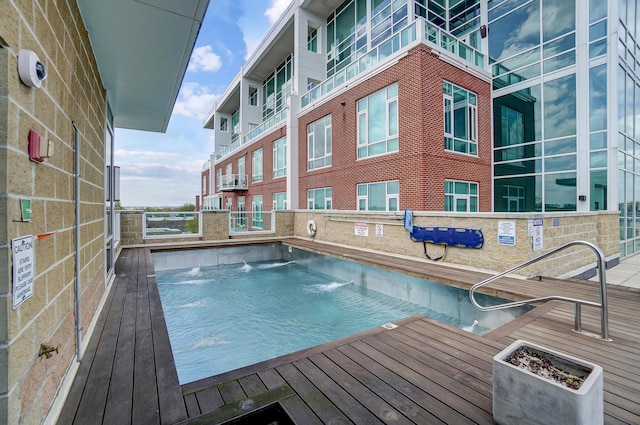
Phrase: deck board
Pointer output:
(422, 371)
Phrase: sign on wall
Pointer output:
(23, 269)
(538, 234)
(361, 229)
(507, 233)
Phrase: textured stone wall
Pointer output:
(559, 228)
(71, 93)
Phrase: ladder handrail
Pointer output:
(604, 309)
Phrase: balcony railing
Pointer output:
(233, 182)
(171, 224)
(420, 29)
(254, 222)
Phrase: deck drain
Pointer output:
(389, 326)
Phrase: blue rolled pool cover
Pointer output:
(449, 236)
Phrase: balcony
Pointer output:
(233, 183)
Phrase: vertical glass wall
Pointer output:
(535, 107)
(628, 121)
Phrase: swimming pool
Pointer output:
(239, 306)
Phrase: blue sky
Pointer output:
(158, 169)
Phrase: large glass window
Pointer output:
(460, 196)
(381, 196)
(378, 122)
(320, 199)
(280, 157)
(256, 165)
(560, 107)
(276, 88)
(460, 119)
(319, 143)
(279, 201)
(256, 208)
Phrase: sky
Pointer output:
(163, 169)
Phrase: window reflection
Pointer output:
(560, 107)
(515, 32)
(559, 17)
(560, 192)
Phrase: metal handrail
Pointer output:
(604, 310)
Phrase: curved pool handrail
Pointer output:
(604, 309)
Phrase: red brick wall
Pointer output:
(421, 165)
(269, 185)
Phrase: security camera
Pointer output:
(30, 69)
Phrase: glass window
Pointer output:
(280, 201)
(320, 199)
(378, 122)
(560, 192)
(312, 40)
(256, 209)
(560, 107)
(515, 32)
(382, 196)
(224, 125)
(558, 17)
(256, 166)
(219, 178)
(460, 119)
(460, 196)
(280, 157)
(319, 143)
(253, 96)
(518, 194)
(525, 103)
(598, 98)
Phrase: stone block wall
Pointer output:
(71, 94)
(558, 228)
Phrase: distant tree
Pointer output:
(118, 206)
(187, 207)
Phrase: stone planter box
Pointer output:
(522, 397)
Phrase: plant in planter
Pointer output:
(536, 385)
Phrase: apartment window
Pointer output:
(280, 201)
(460, 119)
(381, 196)
(256, 166)
(256, 208)
(235, 126)
(241, 179)
(218, 178)
(224, 125)
(253, 96)
(312, 40)
(319, 143)
(280, 157)
(320, 199)
(378, 123)
(460, 196)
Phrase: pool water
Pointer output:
(223, 316)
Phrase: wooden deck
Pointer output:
(420, 372)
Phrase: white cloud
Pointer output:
(276, 9)
(195, 100)
(203, 59)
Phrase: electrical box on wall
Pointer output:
(34, 146)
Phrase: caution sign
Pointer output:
(23, 269)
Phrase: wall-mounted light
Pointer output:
(30, 69)
(483, 31)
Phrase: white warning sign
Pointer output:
(23, 269)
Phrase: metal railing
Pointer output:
(604, 310)
(160, 225)
(254, 222)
